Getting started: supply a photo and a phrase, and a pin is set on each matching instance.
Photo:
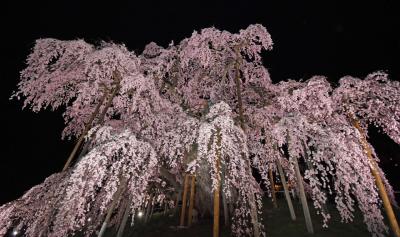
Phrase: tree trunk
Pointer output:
(286, 190)
(151, 212)
(217, 189)
(226, 210)
(252, 200)
(239, 93)
(271, 180)
(224, 201)
(185, 190)
(191, 200)
(169, 177)
(178, 195)
(148, 208)
(378, 180)
(165, 209)
(116, 197)
(303, 198)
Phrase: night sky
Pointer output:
(310, 38)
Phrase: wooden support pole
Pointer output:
(286, 190)
(271, 180)
(117, 78)
(191, 200)
(378, 180)
(185, 190)
(88, 126)
(124, 220)
(116, 197)
(303, 198)
(217, 189)
(109, 103)
(216, 213)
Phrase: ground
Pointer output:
(277, 224)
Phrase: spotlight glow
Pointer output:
(15, 233)
(140, 214)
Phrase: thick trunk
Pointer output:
(252, 200)
(226, 210)
(239, 95)
(148, 208)
(224, 202)
(178, 195)
(165, 209)
(170, 177)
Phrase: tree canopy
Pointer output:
(204, 106)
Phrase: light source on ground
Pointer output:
(140, 214)
(15, 233)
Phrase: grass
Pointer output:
(277, 223)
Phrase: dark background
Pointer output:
(325, 38)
